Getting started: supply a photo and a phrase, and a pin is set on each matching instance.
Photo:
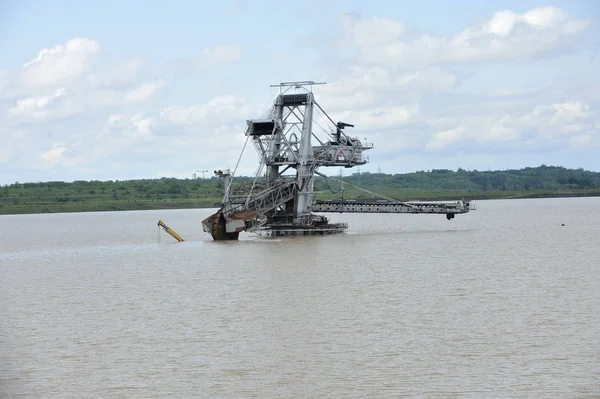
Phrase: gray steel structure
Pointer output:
(280, 204)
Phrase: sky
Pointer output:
(117, 90)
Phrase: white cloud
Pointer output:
(57, 157)
(569, 111)
(383, 78)
(221, 109)
(365, 87)
(559, 118)
(502, 23)
(391, 66)
(61, 103)
(4, 155)
(342, 99)
(500, 131)
(118, 141)
(136, 125)
(69, 79)
(60, 65)
(429, 79)
(123, 73)
(397, 87)
(54, 105)
(54, 154)
(561, 122)
(502, 93)
(583, 141)
(4, 76)
(6, 148)
(144, 92)
(572, 128)
(369, 32)
(507, 35)
(211, 57)
(221, 55)
(544, 17)
(380, 117)
(446, 137)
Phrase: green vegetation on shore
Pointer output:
(170, 193)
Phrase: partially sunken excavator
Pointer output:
(281, 200)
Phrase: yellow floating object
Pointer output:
(170, 231)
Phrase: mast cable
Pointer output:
(237, 164)
(365, 190)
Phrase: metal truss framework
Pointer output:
(283, 204)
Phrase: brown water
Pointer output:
(499, 303)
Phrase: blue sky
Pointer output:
(143, 89)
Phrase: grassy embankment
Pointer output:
(83, 196)
(86, 196)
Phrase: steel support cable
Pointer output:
(327, 184)
(321, 112)
(259, 171)
(237, 164)
(321, 127)
(367, 191)
(313, 169)
(325, 113)
(304, 180)
(331, 120)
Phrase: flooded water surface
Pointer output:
(502, 302)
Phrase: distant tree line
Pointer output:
(539, 178)
(58, 196)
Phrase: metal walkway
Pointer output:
(266, 200)
(352, 206)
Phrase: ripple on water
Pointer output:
(498, 303)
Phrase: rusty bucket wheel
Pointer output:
(218, 230)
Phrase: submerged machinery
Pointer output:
(170, 231)
(292, 145)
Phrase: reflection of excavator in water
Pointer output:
(280, 203)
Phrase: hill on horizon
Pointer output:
(547, 171)
(172, 193)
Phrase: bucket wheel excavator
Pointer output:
(293, 144)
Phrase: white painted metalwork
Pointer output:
(290, 139)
